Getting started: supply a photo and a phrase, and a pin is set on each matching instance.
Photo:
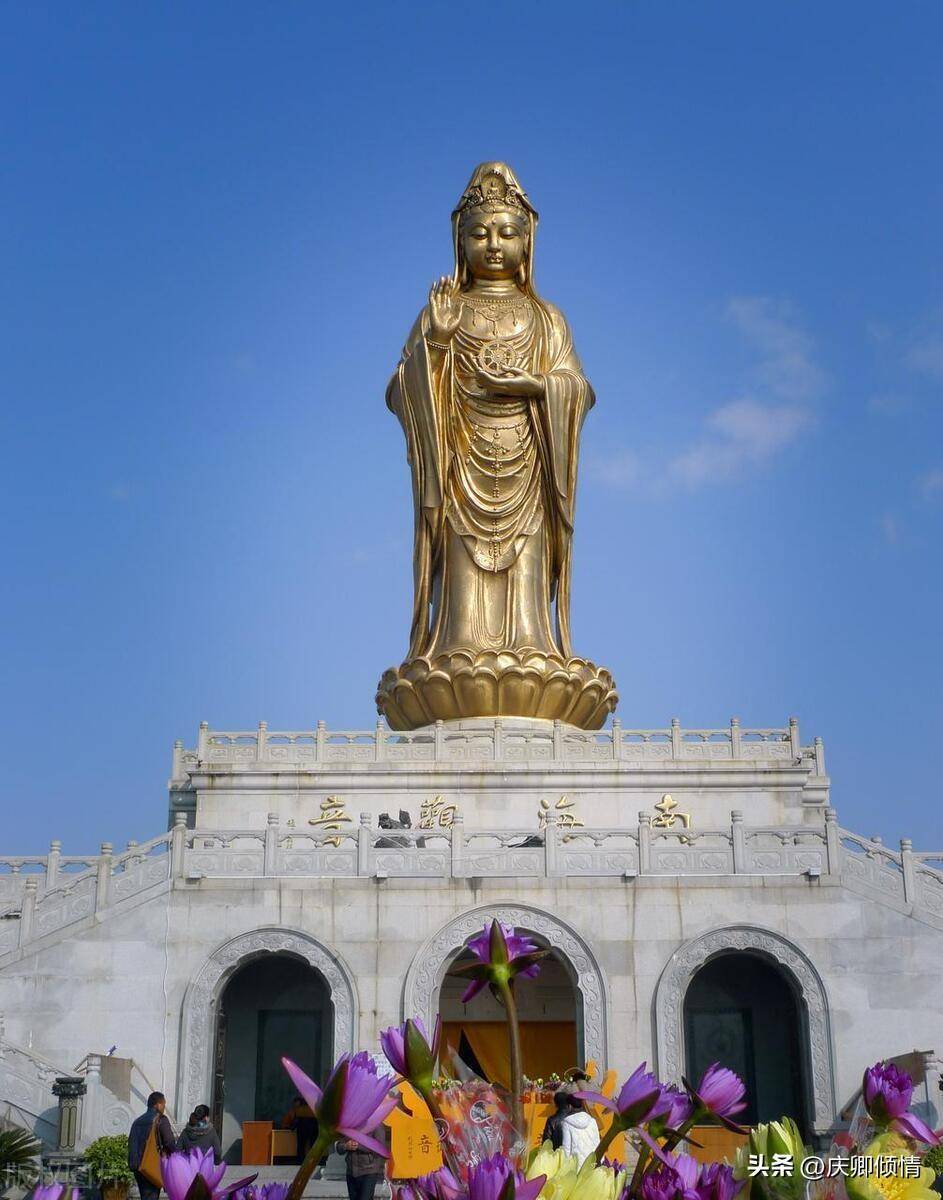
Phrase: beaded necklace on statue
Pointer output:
(493, 308)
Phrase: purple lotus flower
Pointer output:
(686, 1179)
(720, 1093)
(355, 1099)
(198, 1176)
(52, 1191)
(440, 1185)
(675, 1179)
(496, 1179)
(716, 1182)
(887, 1094)
(409, 1053)
(501, 955)
(263, 1191)
(640, 1099)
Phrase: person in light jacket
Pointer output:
(580, 1132)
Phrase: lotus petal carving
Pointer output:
(496, 683)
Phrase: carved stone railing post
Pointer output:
(734, 737)
(675, 737)
(178, 846)
(364, 841)
(644, 843)
(439, 752)
(103, 884)
(380, 742)
(52, 864)
(819, 756)
(176, 769)
(270, 852)
(551, 859)
(832, 842)
(738, 842)
(498, 739)
(202, 741)
(320, 737)
(457, 838)
(557, 740)
(616, 738)
(907, 870)
(260, 741)
(27, 911)
(795, 746)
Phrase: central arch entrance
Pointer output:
(572, 956)
(550, 1018)
(271, 1006)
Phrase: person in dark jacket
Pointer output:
(553, 1129)
(199, 1134)
(137, 1140)
(364, 1168)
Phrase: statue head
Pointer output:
(493, 226)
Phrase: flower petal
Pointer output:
(365, 1140)
(307, 1087)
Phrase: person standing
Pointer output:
(365, 1169)
(200, 1134)
(580, 1131)
(553, 1129)
(137, 1141)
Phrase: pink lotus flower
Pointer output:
(409, 1053)
(887, 1092)
(355, 1099)
(502, 955)
(197, 1176)
(720, 1093)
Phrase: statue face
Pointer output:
(494, 244)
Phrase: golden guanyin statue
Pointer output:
(491, 397)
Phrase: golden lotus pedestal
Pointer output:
(502, 683)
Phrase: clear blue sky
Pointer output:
(218, 222)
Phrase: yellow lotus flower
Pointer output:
(891, 1187)
(565, 1181)
(775, 1137)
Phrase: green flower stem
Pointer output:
(684, 1129)
(640, 1165)
(320, 1148)
(517, 1059)
(608, 1137)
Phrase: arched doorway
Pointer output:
(742, 1011)
(273, 1005)
(550, 1016)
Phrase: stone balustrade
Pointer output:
(49, 897)
(501, 740)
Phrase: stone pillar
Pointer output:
(69, 1089)
(52, 864)
(178, 845)
(644, 843)
(270, 851)
(364, 840)
(457, 833)
(738, 842)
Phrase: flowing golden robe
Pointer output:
(494, 483)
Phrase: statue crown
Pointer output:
(493, 193)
